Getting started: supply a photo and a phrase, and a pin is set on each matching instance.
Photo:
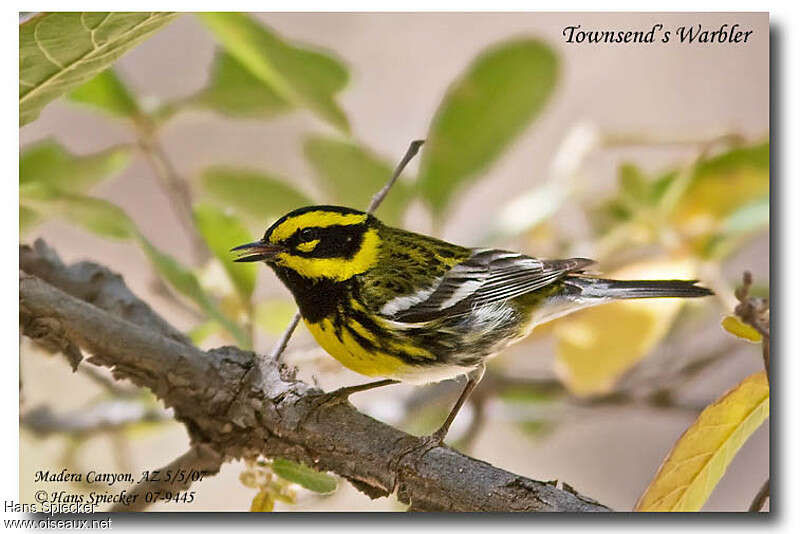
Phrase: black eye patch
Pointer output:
(308, 234)
(338, 241)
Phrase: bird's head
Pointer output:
(318, 243)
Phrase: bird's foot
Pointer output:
(332, 398)
(429, 442)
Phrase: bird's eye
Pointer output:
(307, 234)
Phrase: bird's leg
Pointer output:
(473, 378)
(342, 394)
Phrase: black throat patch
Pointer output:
(317, 299)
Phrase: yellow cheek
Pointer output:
(308, 246)
(338, 269)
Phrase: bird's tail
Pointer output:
(637, 289)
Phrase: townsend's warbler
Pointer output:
(410, 308)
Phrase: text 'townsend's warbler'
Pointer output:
(410, 308)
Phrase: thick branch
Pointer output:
(242, 406)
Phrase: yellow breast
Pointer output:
(353, 356)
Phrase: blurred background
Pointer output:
(650, 158)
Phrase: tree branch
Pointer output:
(241, 406)
(175, 187)
(103, 417)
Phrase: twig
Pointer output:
(413, 148)
(615, 139)
(760, 499)
(281, 344)
(242, 406)
(197, 463)
(754, 312)
(105, 381)
(102, 417)
(175, 188)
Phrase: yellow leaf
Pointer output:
(262, 502)
(698, 460)
(742, 173)
(597, 345)
(735, 326)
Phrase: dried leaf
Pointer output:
(699, 459)
(735, 326)
(596, 346)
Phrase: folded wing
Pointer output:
(486, 277)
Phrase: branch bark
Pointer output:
(240, 405)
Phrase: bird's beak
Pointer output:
(257, 251)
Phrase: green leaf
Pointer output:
(251, 192)
(737, 227)
(273, 315)
(236, 92)
(107, 93)
(743, 175)
(302, 77)
(201, 332)
(223, 231)
(262, 502)
(47, 171)
(108, 220)
(749, 217)
(94, 214)
(634, 185)
(353, 175)
(305, 476)
(49, 163)
(28, 218)
(502, 91)
(526, 395)
(185, 282)
(97, 215)
(61, 51)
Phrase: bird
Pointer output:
(406, 307)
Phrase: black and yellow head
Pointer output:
(319, 243)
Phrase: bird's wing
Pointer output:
(485, 277)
